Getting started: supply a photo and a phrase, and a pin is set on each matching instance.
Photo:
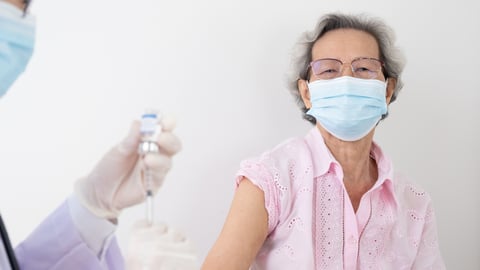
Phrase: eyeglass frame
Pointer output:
(382, 65)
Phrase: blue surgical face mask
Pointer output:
(347, 107)
(17, 37)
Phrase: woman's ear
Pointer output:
(391, 83)
(304, 92)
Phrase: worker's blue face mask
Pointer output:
(17, 37)
(347, 107)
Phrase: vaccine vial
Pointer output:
(149, 131)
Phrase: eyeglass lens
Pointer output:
(364, 68)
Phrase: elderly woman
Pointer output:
(331, 200)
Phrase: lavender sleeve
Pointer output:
(56, 244)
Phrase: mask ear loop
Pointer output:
(385, 114)
(26, 4)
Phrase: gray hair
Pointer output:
(302, 54)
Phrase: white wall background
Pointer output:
(219, 66)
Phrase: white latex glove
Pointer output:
(116, 181)
(159, 247)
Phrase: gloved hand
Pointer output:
(159, 247)
(116, 182)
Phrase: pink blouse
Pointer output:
(311, 221)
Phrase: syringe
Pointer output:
(149, 130)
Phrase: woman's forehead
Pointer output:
(345, 44)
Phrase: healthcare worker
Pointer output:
(80, 233)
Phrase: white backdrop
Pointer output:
(219, 66)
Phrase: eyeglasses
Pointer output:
(362, 67)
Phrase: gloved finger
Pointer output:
(174, 236)
(130, 143)
(157, 162)
(160, 228)
(178, 237)
(169, 143)
(144, 228)
(168, 123)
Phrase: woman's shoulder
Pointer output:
(281, 162)
(296, 148)
(410, 195)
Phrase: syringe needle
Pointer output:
(149, 200)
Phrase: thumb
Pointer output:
(130, 143)
(168, 122)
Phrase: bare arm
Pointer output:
(243, 233)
